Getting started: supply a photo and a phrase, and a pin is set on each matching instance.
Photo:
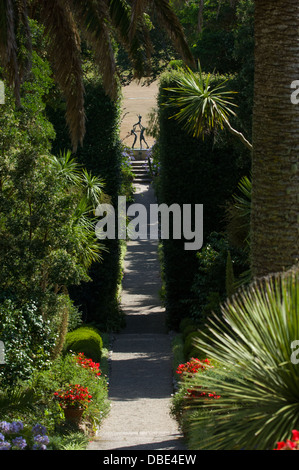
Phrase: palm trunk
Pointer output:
(275, 166)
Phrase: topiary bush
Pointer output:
(87, 340)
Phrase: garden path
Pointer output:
(141, 362)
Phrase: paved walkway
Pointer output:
(141, 366)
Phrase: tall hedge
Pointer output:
(193, 171)
(101, 155)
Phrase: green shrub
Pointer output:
(65, 370)
(189, 172)
(28, 340)
(101, 155)
(188, 329)
(209, 285)
(87, 340)
(189, 343)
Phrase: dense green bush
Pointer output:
(87, 340)
(211, 280)
(101, 154)
(28, 340)
(45, 410)
(47, 240)
(190, 171)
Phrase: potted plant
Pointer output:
(74, 400)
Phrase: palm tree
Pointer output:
(68, 22)
(275, 166)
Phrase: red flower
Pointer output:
(289, 444)
(88, 364)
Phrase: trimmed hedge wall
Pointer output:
(101, 155)
(193, 171)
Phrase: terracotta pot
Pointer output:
(73, 415)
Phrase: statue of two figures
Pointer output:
(141, 130)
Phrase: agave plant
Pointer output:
(254, 343)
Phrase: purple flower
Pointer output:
(5, 446)
(16, 427)
(41, 440)
(38, 429)
(5, 426)
(19, 442)
(39, 447)
(2, 438)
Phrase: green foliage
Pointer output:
(189, 343)
(209, 287)
(101, 155)
(87, 340)
(65, 370)
(28, 339)
(46, 229)
(203, 103)
(229, 276)
(69, 441)
(15, 400)
(238, 215)
(189, 176)
(127, 175)
(256, 340)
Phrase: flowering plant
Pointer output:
(292, 444)
(191, 368)
(74, 396)
(15, 436)
(88, 364)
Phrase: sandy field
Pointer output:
(137, 100)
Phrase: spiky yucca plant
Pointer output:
(203, 105)
(256, 344)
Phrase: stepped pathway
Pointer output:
(141, 363)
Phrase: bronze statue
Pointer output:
(141, 130)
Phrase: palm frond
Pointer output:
(138, 8)
(93, 187)
(67, 166)
(134, 39)
(93, 18)
(63, 36)
(203, 104)
(238, 213)
(13, 400)
(170, 22)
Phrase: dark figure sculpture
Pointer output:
(142, 130)
(142, 139)
(134, 133)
